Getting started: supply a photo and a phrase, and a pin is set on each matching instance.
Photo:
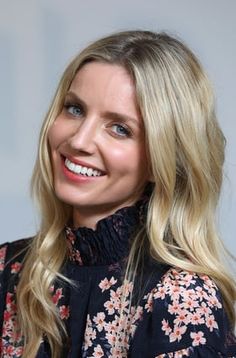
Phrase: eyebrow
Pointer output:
(109, 114)
(73, 96)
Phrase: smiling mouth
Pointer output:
(81, 170)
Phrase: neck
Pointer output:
(89, 218)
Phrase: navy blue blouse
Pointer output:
(179, 314)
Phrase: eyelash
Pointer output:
(127, 132)
(67, 106)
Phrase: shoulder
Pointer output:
(12, 252)
(184, 310)
(189, 299)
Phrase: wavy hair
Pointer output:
(186, 152)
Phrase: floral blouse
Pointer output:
(180, 313)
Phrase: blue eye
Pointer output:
(73, 109)
(121, 130)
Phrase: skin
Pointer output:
(100, 127)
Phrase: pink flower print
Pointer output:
(198, 338)
(64, 312)
(115, 297)
(204, 309)
(175, 292)
(90, 334)
(110, 326)
(19, 351)
(211, 323)
(208, 282)
(106, 284)
(111, 338)
(77, 257)
(127, 288)
(110, 307)
(168, 281)
(174, 308)
(178, 354)
(183, 317)
(160, 293)
(196, 318)
(189, 303)
(100, 321)
(214, 302)
(137, 313)
(9, 350)
(123, 322)
(166, 327)
(70, 235)
(15, 267)
(10, 304)
(201, 294)
(189, 294)
(186, 279)
(149, 305)
(7, 315)
(3, 251)
(177, 333)
(98, 352)
(116, 353)
(57, 296)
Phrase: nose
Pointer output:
(83, 138)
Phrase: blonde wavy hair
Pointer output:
(186, 153)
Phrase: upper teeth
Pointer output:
(78, 169)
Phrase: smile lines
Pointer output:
(79, 169)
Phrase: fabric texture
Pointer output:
(179, 313)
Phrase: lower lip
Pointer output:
(76, 177)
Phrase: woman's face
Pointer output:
(98, 144)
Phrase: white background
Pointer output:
(37, 41)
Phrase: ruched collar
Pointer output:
(110, 242)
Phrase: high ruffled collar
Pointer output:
(110, 242)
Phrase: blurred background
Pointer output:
(39, 38)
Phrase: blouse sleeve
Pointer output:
(11, 256)
(184, 317)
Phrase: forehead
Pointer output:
(111, 83)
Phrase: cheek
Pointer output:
(128, 159)
(55, 135)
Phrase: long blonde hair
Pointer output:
(186, 151)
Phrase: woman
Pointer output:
(127, 259)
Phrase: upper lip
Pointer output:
(82, 163)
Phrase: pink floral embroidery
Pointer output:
(115, 330)
(166, 327)
(98, 352)
(64, 312)
(99, 319)
(3, 251)
(190, 305)
(211, 323)
(73, 253)
(178, 354)
(11, 342)
(198, 338)
(16, 267)
(57, 296)
(177, 333)
(106, 284)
